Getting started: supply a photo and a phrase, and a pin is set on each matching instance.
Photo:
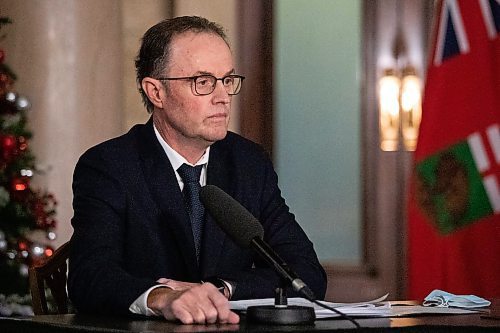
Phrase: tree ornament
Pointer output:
(11, 97)
(37, 250)
(49, 251)
(11, 254)
(20, 184)
(22, 245)
(26, 172)
(24, 254)
(8, 147)
(22, 103)
(8, 142)
(51, 235)
(22, 144)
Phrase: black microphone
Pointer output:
(244, 229)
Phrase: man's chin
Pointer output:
(216, 136)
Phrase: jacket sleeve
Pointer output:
(97, 279)
(284, 235)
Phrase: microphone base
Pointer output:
(289, 315)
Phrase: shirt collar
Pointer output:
(175, 158)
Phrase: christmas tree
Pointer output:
(25, 213)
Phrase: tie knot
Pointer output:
(190, 174)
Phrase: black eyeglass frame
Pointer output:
(196, 77)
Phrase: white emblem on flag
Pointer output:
(478, 152)
(493, 133)
(483, 164)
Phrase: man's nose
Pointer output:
(220, 93)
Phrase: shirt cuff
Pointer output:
(229, 287)
(140, 305)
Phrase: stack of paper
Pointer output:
(373, 308)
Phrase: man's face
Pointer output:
(185, 117)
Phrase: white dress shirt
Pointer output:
(139, 306)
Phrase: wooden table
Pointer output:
(91, 323)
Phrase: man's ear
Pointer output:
(153, 88)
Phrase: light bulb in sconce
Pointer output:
(411, 107)
(389, 87)
(400, 107)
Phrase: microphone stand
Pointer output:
(281, 313)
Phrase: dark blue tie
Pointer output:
(191, 178)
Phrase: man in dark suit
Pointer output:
(142, 242)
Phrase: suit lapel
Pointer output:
(219, 174)
(164, 188)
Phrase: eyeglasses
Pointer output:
(205, 84)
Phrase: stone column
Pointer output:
(67, 55)
(137, 17)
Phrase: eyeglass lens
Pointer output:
(205, 84)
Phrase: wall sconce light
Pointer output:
(400, 107)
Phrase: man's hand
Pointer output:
(194, 304)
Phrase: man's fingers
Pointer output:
(183, 315)
(202, 304)
(233, 318)
(208, 302)
(221, 304)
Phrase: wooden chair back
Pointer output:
(51, 273)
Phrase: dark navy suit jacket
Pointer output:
(131, 226)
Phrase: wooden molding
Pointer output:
(256, 61)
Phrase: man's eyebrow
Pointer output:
(210, 73)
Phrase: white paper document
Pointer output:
(413, 310)
(373, 308)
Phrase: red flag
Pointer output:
(454, 207)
